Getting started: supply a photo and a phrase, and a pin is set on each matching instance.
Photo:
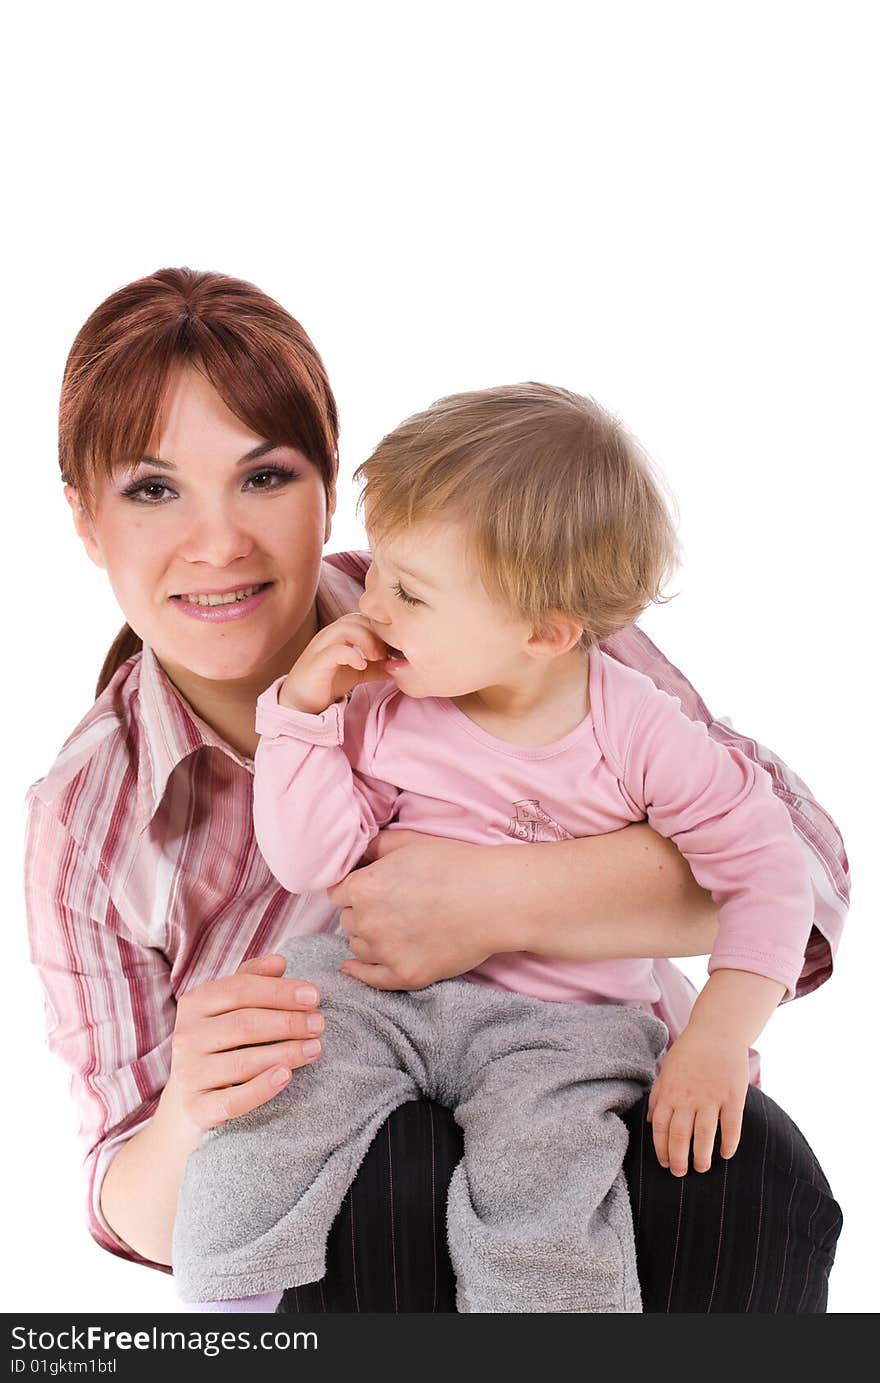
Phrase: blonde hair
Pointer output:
(562, 508)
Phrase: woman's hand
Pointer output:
(422, 911)
(237, 1040)
(703, 1081)
(339, 657)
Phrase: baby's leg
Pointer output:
(260, 1193)
(265, 1304)
(538, 1213)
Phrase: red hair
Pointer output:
(257, 357)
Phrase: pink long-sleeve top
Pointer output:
(325, 785)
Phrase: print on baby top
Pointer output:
(531, 823)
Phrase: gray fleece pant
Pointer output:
(538, 1214)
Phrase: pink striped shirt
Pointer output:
(143, 879)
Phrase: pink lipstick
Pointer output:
(217, 607)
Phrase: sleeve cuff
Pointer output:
(282, 722)
(99, 1228)
(772, 967)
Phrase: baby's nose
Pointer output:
(369, 606)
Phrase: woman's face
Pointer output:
(213, 542)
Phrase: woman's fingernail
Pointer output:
(281, 1077)
(314, 1023)
(311, 1048)
(306, 995)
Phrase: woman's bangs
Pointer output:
(113, 427)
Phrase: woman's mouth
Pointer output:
(219, 606)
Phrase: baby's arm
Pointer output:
(316, 808)
(737, 837)
(705, 1074)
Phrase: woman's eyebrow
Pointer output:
(254, 455)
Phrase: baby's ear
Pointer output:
(82, 522)
(556, 634)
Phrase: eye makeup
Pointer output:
(277, 475)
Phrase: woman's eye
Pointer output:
(404, 596)
(270, 478)
(154, 492)
(148, 492)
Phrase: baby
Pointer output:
(513, 531)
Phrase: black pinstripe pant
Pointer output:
(756, 1233)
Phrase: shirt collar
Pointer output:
(170, 730)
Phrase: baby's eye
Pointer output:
(402, 595)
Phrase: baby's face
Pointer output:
(427, 602)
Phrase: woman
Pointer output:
(198, 448)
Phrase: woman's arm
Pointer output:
(212, 1079)
(630, 893)
(427, 908)
(138, 1196)
(113, 1020)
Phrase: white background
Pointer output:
(668, 206)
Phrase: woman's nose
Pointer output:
(216, 539)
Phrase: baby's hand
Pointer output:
(703, 1079)
(339, 657)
